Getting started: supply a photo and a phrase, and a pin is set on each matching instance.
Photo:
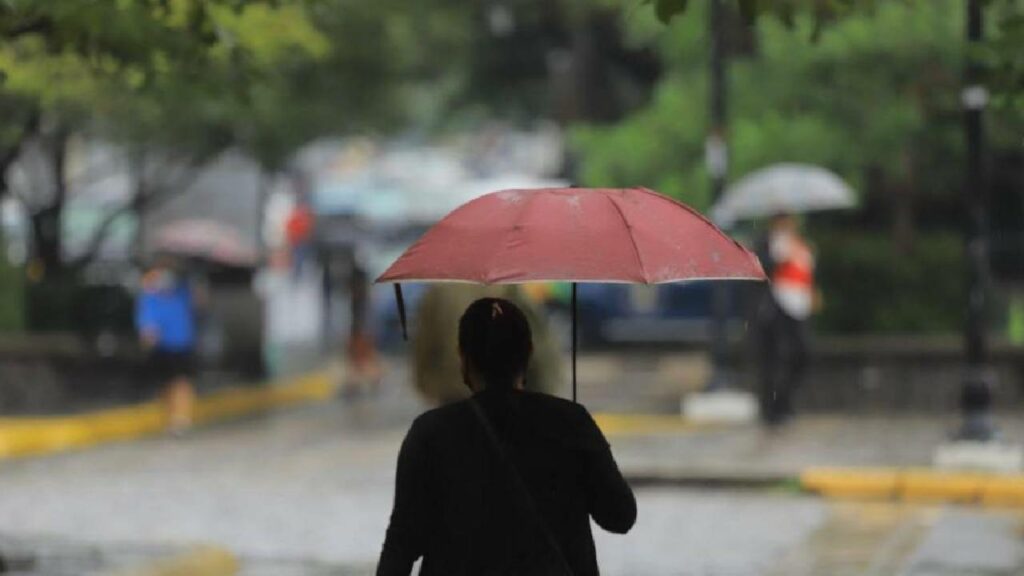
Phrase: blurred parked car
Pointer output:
(670, 313)
(609, 314)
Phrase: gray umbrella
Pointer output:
(783, 188)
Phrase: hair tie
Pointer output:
(496, 310)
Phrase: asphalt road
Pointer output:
(308, 491)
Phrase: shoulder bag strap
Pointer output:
(517, 479)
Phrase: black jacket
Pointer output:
(458, 505)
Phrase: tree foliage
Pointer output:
(871, 90)
(875, 96)
(1003, 51)
(187, 79)
(174, 73)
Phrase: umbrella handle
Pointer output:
(400, 301)
(575, 313)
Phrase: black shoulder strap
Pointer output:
(517, 479)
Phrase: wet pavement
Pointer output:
(308, 491)
(749, 451)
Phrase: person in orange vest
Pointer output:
(298, 231)
(782, 320)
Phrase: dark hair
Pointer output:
(495, 339)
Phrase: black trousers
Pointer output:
(782, 359)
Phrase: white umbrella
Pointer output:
(783, 188)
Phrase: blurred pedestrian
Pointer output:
(364, 369)
(783, 314)
(435, 348)
(507, 481)
(165, 319)
(298, 230)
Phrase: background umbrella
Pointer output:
(204, 239)
(783, 188)
(576, 235)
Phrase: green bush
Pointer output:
(869, 287)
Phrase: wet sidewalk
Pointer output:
(754, 452)
(308, 490)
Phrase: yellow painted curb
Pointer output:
(916, 485)
(866, 483)
(46, 435)
(930, 486)
(237, 402)
(643, 424)
(202, 561)
(1007, 492)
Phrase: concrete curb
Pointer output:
(910, 485)
(617, 424)
(36, 436)
(708, 479)
(200, 561)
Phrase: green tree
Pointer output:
(874, 97)
(869, 89)
(174, 77)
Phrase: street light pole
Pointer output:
(717, 158)
(976, 395)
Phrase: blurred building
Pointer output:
(372, 199)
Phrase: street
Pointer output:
(778, 246)
(308, 491)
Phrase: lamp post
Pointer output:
(976, 394)
(716, 152)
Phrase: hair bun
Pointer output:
(498, 350)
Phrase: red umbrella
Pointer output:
(631, 235)
(205, 239)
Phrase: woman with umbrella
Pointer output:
(783, 315)
(506, 482)
(780, 192)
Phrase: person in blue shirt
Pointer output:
(166, 325)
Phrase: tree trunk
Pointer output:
(11, 154)
(138, 208)
(149, 193)
(46, 222)
(46, 238)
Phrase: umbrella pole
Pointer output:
(401, 310)
(575, 313)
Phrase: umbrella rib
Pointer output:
(629, 231)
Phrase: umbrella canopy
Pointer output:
(205, 239)
(783, 188)
(573, 235)
(576, 235)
